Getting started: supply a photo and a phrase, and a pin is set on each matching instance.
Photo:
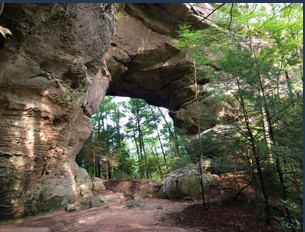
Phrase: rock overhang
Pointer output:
(53, 78)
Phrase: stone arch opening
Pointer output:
(39, 67)
(129, 130)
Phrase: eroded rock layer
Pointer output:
(144, 62)
(55, 55)
(53, 76)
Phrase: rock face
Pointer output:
(53, 76)
(54, 58)
(145, 63)
(143, 60)
(184, 182)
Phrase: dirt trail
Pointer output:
(113, 218)
(172, 216)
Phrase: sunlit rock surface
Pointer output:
(55, 55)
(82, 179)
(184, 182)
(53, 76)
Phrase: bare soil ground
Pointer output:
(174, 216)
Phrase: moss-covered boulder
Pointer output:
(98, 184)
(82, 179)
(184, 182)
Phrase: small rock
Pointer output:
(136, 197)
(84, 202)
(102, 199)
(149, 196)
(114, 197)
(150, 191)
(71, 208)
(125, 192)
(150, 206)
(95, 203)
(132, 204)
(188, 198)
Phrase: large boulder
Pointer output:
(184, 182)
(98, 184)
(82, 179)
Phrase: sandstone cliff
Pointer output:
(54, 56)
(53, 76)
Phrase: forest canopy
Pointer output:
(131, 139)
(253, 59)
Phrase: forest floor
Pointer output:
(172, 216)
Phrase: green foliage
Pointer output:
(255, 73)
(126, 141)
(295, 224)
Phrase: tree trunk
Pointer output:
(159, 167)
(173, 135)
(138, 152)
(143, 165)
(256, 155)
(94, 168)
(99, 169)
(161, 145)
(199, 154)
(270, 128)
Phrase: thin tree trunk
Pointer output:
(253, 174)
(138, 152)
(94, 168)
(109, 168)
(159, 167)
(288, 82)
(295, 179)
(256, 156)
(173, 134)
(270, 130)
(267, 132)
(143, 164)
(118, 134)
(161, 145)
(199, 155)
(99, 168)
(145, 156)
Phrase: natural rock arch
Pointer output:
(55, 72)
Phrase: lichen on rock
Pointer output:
(184, 182)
